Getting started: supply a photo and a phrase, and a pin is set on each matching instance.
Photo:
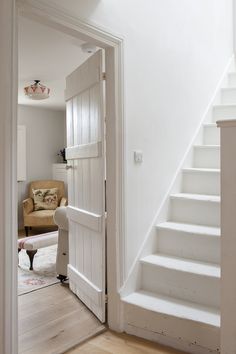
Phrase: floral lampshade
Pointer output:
(37, 91)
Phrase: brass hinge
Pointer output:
(104, 76)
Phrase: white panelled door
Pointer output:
(86, 184)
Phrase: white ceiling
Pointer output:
(47, 55)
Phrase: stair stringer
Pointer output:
(147, 325)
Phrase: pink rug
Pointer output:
(44, 273)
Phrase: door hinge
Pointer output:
(104, 76)
(106, 299)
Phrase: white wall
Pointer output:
(234, 24)
(45, 136)
(174, 55)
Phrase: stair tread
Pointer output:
(228, 88)
(190, 228)
(202, 146)
(174, 307)
(224, 105)
(199, 169)
(182, 264)
(198, 197)
(210, 125)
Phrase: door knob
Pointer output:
(68, 167)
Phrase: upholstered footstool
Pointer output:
(61, 220)
(33, 243)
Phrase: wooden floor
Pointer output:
(113, 343)
(52, 320)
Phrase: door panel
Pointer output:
(86, 183)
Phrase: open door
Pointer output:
(86, 184)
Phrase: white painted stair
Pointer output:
(201, 180)
(206, 156)
(171, 321)
(224, 111)
(195, 209)
(211, 134)
(201, 243)
(170, 275)
(178, 300)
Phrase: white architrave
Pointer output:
(8, 200)
(115, 167)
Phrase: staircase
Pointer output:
(178, 302)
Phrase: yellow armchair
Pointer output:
(41, 218)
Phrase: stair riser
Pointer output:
(203, 248)
(186, 286)
(232, 80)
(228, 96)
(223, 113)
(195, 212)
(207, 157)
(211, 135)
(169, 330)
(201, 182)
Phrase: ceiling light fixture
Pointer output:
(37, 91)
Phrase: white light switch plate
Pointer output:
(138, 156)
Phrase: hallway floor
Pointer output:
(52, 320)
(114, 343)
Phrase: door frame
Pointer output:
(113, 45)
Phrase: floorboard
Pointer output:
(52, 320)
(114, 343)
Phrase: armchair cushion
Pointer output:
(40, 218)
(48, 184)
(45, 199)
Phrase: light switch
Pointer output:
(138, 156)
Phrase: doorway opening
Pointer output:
(111, 222)
(42, 137)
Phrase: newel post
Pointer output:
(228, 236)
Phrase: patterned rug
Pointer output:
(44, 273)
